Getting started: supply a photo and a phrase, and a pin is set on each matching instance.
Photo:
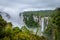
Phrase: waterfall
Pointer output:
(42, 24)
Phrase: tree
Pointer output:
(29, 21)
(9, 30)
(17, 30)
(2, 27)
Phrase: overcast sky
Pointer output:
(23, 5)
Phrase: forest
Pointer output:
(51, 32)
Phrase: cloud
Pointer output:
(31, 3)
(27, 4)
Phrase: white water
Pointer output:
(42, 24)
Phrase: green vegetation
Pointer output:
(29, 21)
(44, 13)
(29, 17)
(53, 29)
(52, 32)
(7, 32)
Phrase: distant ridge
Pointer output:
(40, 13)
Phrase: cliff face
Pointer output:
(42, 17)
(5, 15)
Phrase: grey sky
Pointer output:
(21, 5)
